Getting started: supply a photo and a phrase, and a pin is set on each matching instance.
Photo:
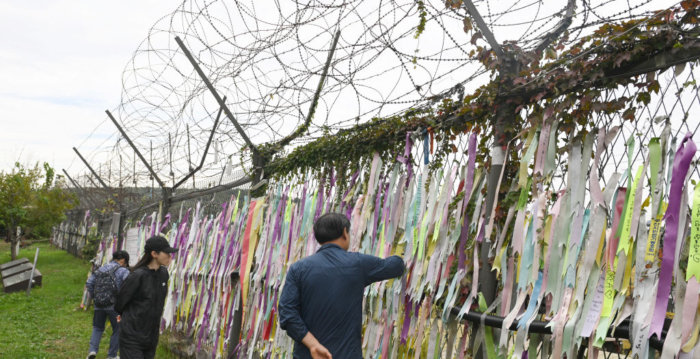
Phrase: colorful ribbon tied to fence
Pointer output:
(583, 255)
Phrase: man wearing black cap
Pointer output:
(141, 299)
(103, 286)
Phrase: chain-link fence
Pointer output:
(656, 111)
(674, 107)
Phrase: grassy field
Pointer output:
(49, 323)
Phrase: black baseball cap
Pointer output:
(121, 255)
(158, 244)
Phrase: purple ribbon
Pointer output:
(291, 231)
(277, 229)
(482, 232)
(319, 200)
(165, 223)
(406, 320)
(330, 189)
(681, 163)
(343, 203)
(302, 199)
(467, 193)
(407, 150)
(377, 202)
(183, 230)
(385, 208)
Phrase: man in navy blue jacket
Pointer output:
(321, 303)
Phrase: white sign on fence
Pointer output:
(115, 224)
(132, 245)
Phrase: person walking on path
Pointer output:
(321, 303)
(103, 285)
(141, 299)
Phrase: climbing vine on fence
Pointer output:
(566, 82)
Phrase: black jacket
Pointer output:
(140, 302)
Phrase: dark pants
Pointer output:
(98, 327)
(134, 353)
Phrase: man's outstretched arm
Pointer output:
(377, 269)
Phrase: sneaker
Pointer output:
(92, 355)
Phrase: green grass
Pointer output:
(49, 323)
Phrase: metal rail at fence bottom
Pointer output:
(622, 331)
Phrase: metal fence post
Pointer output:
(120, 228)
(237, 323)
(165, 203)
(31, 275)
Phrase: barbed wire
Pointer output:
(266, 57)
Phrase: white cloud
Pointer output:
(60, 67)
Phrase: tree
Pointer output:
(15, 199)
(50, 204)
(28, 201)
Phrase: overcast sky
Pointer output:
(60, 67)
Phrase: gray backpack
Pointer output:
(105, 288)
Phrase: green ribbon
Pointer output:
(694, 255)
